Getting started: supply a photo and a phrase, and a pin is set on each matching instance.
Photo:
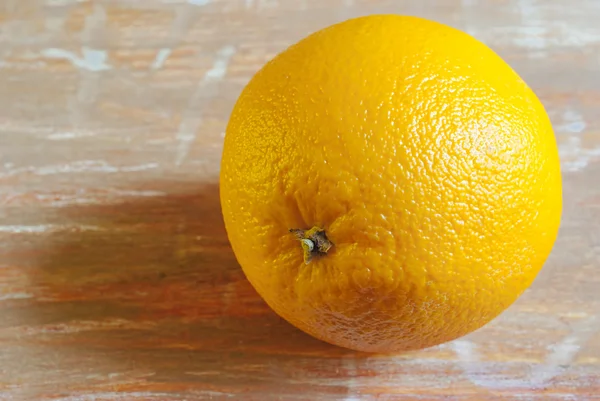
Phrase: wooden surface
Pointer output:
(116, 278)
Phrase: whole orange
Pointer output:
(389, 183)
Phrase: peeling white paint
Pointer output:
(573, 122)
(121, 395)
(15, 295)
(351, 367)
(91, 60)
(161, 56)
(81, 166)
(92, 166)
(481, 373)
(560, 356)
(62, 3)
(43, 228)
(133, 193)
(62, 136)
(186, 135)
(533, 32)
(532, 37)
(552, 35)
(191, 121)
(575, 36)
(468, 358)
(469, 20)
(529, 10)
(25, 229)
(538, 32)
(84, 197)
(574, 156)
(563, 353)
(219, 68)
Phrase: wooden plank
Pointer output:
(117, 281)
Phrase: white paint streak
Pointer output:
(553, 34)
(77, 326)
(25, 229)
(573, 155)
(179, 26)
(204, 373)
(481, 373)
(91, 166)
(92, 60)
(468, 359)
(220, 65)
(351, 367)
(564, 352)
(191, 121)
(469, 19)
(573, 122)
(533, 30)
(220, 394)
(109, 396)
(83, 166)
(162, 56)
(96, 167)
(126, 193)
(532, 37)
(538, 31)
(561, 355)
(61, 136)
(575, 35)
(63, 3)
(17, 295)
(86, 197)
(264, 4)
(141, 395)
(44, 228)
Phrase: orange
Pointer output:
(418, 174)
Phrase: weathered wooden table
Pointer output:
(116, 278)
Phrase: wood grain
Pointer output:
(117, 281)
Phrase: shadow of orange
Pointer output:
(150, 287)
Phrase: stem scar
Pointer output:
(314, 242)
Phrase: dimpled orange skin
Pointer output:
(431, 166)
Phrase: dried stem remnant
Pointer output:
(314, 242)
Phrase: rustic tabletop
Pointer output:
(117, 281)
